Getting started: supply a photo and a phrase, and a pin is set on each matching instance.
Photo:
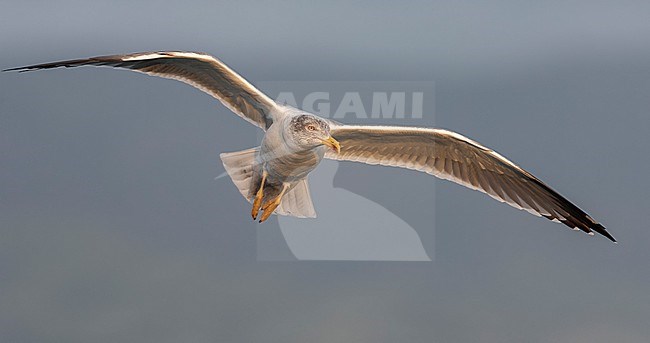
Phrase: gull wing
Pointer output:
(452, 157)
(196, 69)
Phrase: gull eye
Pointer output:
(311, 127)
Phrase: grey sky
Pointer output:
(114, 229)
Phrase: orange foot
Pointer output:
(257, 203)
(271, 205)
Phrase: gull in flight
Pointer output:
(273, 176)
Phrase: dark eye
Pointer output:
(311, 127)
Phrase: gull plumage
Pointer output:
(273, 177)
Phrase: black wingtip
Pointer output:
(22, 69)
(601, 230)
(13, 69)
(52, 65)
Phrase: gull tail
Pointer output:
(240, 166)
(297, 201)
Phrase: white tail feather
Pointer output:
(239, 166)
(297, 202)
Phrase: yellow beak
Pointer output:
(333, 143)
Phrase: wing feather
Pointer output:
(452, 157)
(199, 70)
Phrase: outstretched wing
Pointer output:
(196, 69)
(450, 156)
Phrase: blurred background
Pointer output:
(113, 228)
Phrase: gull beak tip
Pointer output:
(333, 143)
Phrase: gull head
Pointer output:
(309, 131)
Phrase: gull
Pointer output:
(273, 176)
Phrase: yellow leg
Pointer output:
(257, 203)
(271, 205)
